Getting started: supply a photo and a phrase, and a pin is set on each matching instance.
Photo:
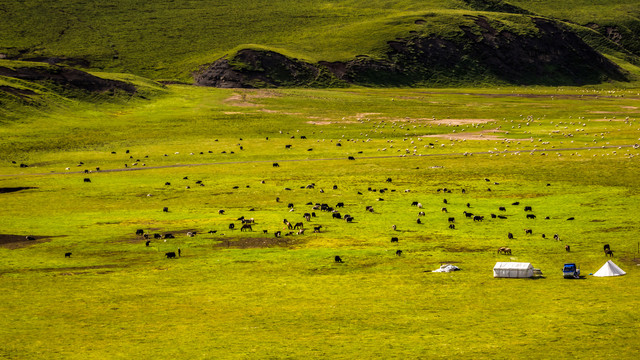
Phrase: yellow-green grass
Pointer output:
(236, 294)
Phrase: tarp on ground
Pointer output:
(447, 268)
(609, 269)
(512, 270)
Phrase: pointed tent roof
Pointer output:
(609, 269)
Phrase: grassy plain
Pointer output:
(565, 152)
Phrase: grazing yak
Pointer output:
(452, 226)
(528, 208)
(139, 232)
(277, 233)
(246, 227)
(398, 252)
(394, 239)
(528, 231)
(337, 259)
(170, 255)
(67, 255)
(608, 251)
(567, 248)
(165, 209)
(531, 216)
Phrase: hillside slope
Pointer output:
(484, 50)
(171, 39)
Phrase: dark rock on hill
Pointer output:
(66, 78)
(262, 69)
(486, 52)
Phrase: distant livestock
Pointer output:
(504, 250)
(170, 255)
(394, 239)
(337, 259)
(398, 252)
(531, 216)
(67, 255)
(246, 227)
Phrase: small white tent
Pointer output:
(513, 270)
(609, 269)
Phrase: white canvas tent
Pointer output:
(513, 270)
(609, 269)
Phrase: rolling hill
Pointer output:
(287, 43)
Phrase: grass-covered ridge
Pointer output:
(170, 39)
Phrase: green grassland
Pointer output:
(569, 153)
(566, 152)
(166, 39)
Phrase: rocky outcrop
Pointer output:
(66, 78)
(487, 52)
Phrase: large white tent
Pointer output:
(609, 269)
(513, 270)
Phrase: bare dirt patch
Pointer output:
(20, 241)
(260, 242)
(478, 135)
(244, 98)
(455, 122)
